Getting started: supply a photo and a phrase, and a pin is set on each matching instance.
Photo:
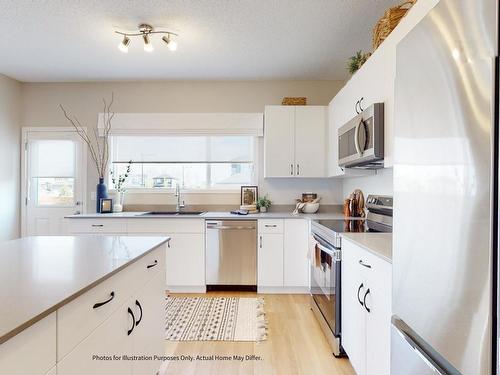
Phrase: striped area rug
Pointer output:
(215, 319)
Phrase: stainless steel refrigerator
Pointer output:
(445, 193)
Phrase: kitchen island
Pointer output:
(65, 300)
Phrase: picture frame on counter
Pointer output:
(249, 195)
(106, 206)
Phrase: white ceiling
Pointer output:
(72, 40)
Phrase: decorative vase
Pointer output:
(101, 192)
(263, 209)
(118, 206)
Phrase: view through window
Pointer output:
(195, 162)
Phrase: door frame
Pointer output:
(24, 169)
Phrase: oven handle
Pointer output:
(326, 250)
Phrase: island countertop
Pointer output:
(38, 275)
(379, 244)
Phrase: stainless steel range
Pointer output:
(326, 263)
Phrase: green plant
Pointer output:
(119, 181)
(263, 202)
(355, 62)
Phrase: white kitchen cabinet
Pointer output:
(32, 351)
(270, 260)
(104, 226)
(148, 307)
(135, 326)
(279, 141)
(185, 253)
(294, 141)
(186, 262)
(296, 242)
(366, 310)
(109, 339)
(374, 82)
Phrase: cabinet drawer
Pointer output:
(271, 226)
(97, 226)
(167, 226)
(33, 351)
(79, 318)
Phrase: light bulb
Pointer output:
(148, 47)
(172, 46)
(123, 46)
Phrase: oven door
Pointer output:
(325, 281)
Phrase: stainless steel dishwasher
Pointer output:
(231, 255)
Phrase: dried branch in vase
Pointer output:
(98, 145)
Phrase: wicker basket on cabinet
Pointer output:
(389, 21)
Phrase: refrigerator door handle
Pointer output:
(417, 349)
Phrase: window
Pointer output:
(195, 162)
(53, 176)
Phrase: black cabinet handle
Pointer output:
(359, 290)
(360, 107)
(133, 321)
(97, 225)
(364, 299)
(364, 264)
(356, 107)
(155, 263)
(168, 244)
(140, 308)
(99, 304)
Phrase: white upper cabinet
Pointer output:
(294, 141)
(373, 83)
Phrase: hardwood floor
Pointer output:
(295, 345)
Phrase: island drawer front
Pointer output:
(32, 351)
(165, 226)
(105, 226)
(271, 225)
(78, 319)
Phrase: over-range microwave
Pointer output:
(361, 140)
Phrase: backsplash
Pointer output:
(380, 183)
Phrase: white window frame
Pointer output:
(143, 190)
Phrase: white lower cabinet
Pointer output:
(33, 351)
(270, 260)
(296, 242)
(134, 327)
(282, 256)
(186, 261)
(366, 310)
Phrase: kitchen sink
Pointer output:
(172, 213)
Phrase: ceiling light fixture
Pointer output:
(145, 32)
(123, 46)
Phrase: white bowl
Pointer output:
(310, 208)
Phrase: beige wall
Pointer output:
(10, 155)
(41, 100)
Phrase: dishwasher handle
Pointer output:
(228, 227)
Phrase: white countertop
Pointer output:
(379, 244)
(38, 275)
(214, 215)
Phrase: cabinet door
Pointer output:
(109, 339)
(353, 314)
(270, 260)
(310, 141)
(149, 333)
(279, 133)
(32, 351)
(296, 242)
(378, 320)
(185, 260)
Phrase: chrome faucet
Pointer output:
(179, 205)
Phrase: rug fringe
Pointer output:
(262, 323)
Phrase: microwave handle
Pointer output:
(356, 138)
